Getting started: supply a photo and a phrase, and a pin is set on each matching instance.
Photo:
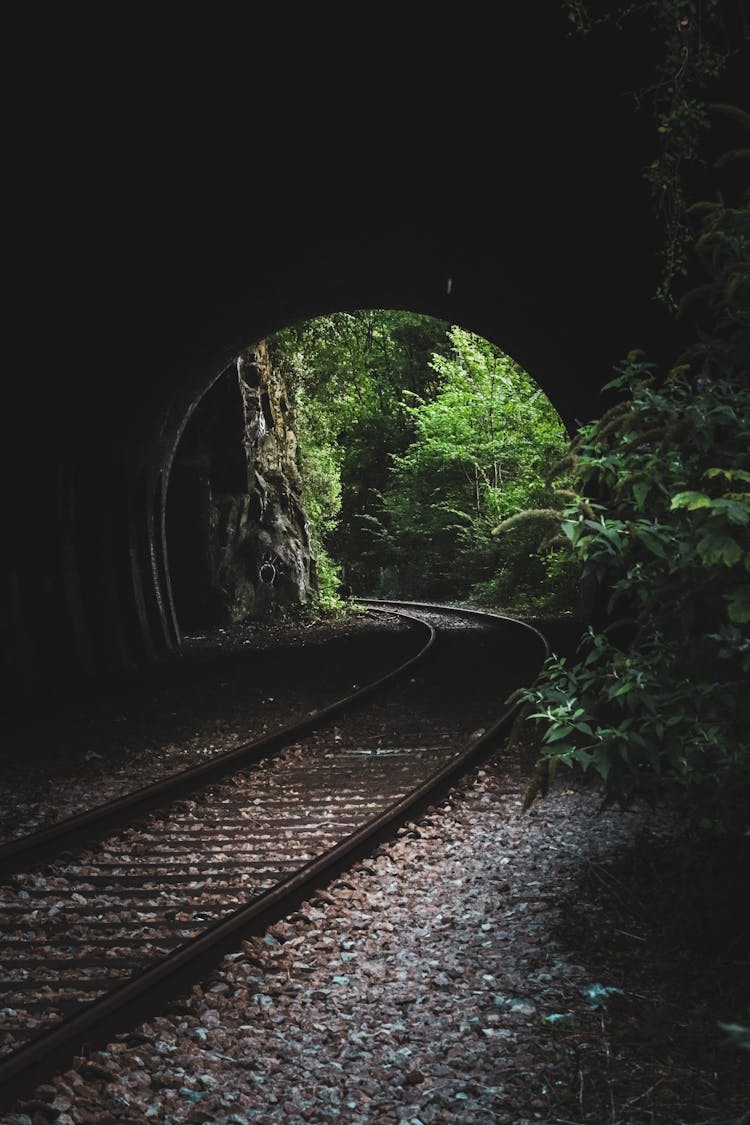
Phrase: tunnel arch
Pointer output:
(186, 536)
(119, 486)
(171, 427)
(163, 252)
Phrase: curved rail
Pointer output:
(72, 831)
(136, 997)
(465, 611)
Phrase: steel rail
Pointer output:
(36, 846)
(139, 996)
(466, 611)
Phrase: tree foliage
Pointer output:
(348, 372)
(671, 544)
(481, 449)
(662, 523)
(415, 440)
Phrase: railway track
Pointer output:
(106, 916)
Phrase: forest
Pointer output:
(417, 441)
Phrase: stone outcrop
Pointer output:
(238, 538)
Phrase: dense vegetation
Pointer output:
(658, 693)
(655, 704)
(657, 697)
(416, 440)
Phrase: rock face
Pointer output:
(237, 532)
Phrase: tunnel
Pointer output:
(158, 238)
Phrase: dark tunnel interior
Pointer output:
(209, 462)
(157, 236)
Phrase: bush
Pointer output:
(660, 695)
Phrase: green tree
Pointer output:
(482, 447)
(349, 372)
(415, 440)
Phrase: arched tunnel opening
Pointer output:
(372, 452)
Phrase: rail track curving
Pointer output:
(105, 916)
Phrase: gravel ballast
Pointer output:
(485, 965)
(429, 984)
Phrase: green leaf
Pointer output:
(715, 547)
(735, 511)
(602, 765)
(653, 543)
(739, 604)
(557, 733)
(728, 474)
(641, 490)
(691, 501)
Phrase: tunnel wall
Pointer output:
(236, 528)
(158, 234)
